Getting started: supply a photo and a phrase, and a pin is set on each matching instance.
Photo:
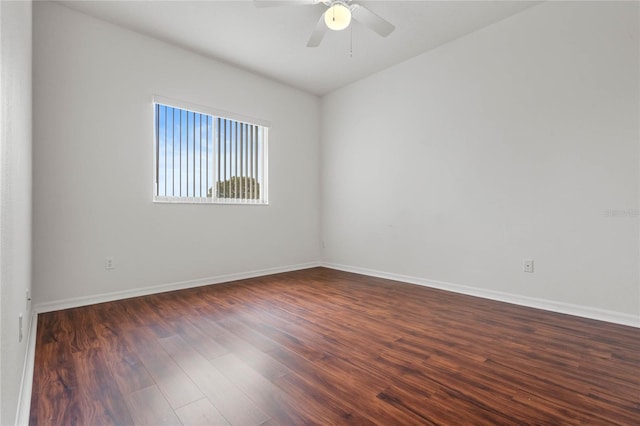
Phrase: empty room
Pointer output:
(314, 212)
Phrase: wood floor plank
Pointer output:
(248, 334)
(320, 346)
(197, 339)
(328, 408)
(56, 408)
(149, 407)
(201, 413)
(263, 363)
(345, 393)
(128, 371)
(176, 386)
(234, 405)
(268, 397)
(54, 398)
(256, 358)
(94, 378)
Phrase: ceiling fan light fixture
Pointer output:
(337, 17)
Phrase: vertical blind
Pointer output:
(204, 158)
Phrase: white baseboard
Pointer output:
(547, 305)
(125, 294)
(24, 397)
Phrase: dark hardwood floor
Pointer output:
(327, 347)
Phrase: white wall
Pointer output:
(93, 163)
(15, 197)
(509, 143)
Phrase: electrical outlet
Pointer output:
(109, 263)
(527, 265)
(20, 327)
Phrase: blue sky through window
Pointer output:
(194, 150)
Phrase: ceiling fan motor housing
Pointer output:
(338, 16)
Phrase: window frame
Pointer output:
(215, 113)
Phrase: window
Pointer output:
(209, 157)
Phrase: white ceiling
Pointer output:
(272, 41)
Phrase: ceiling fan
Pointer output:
(337, 17)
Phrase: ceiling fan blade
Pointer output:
(371, 20)
(272, 3)
(318, 33)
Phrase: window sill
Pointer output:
(210, 201)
